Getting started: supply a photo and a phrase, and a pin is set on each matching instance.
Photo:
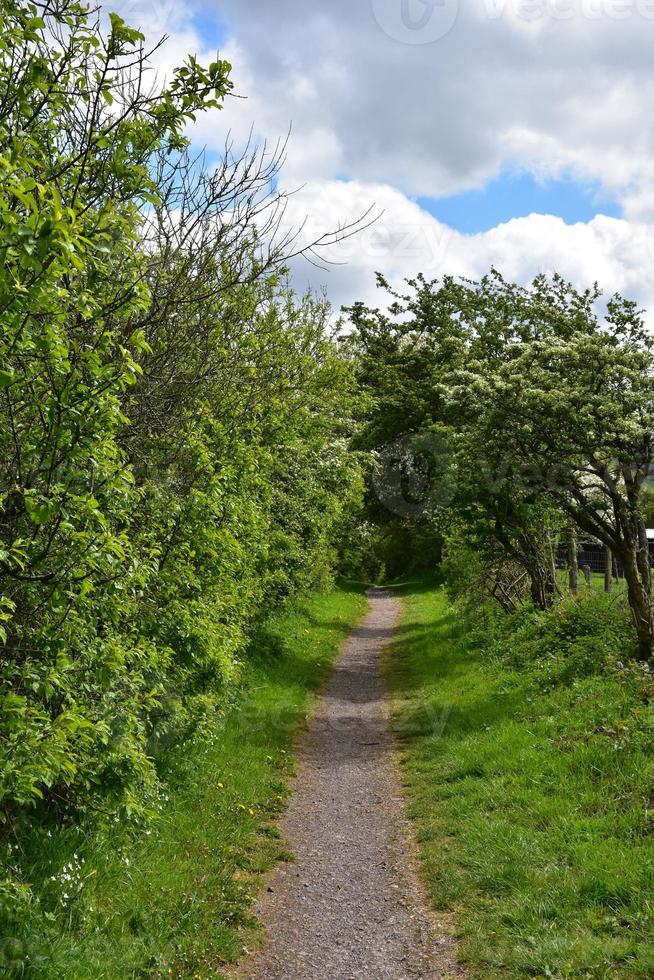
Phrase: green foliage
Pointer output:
(578, 636)
(173, 424)
(384, 552)
(547, 411)
(177, 896)
(559, 406)
(74, 701)
(401, 357)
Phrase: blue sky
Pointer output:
(210, 26)
(516, 195)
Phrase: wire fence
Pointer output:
(594, 582)
(592, 560)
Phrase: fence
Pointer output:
(592, 556)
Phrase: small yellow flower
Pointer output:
(251, 812)
(241, 807)
(269, 758)
(220, 786)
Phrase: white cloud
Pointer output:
(552, 86)
(548, 85)
(406, 239)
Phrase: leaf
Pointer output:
(39, 511)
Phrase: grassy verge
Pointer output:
(530, 771)
(175, 901)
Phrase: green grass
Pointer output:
(175, 901)
(532, 791)
(596, 582)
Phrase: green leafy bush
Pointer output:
(174, 422)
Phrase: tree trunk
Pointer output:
(552, 545)
(543, 585)
(573, 561)
(628, 542)
(639, 591)
(608, 568)
(532, 550)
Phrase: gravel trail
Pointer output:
(350, 905)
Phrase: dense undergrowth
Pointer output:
(173, 900)
(529, 759)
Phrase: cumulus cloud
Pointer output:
(554, 86)
(406, 239)
(394, 99)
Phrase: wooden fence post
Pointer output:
(573, 561)
(608, 569)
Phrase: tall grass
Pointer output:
(529, 762)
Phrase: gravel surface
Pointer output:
(350, 905)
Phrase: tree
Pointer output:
(572, 404)
(416, 361)
(403, 356)
(78, 127)
(173, 419)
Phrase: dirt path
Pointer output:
(350, 904)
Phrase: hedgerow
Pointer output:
(172, 421)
